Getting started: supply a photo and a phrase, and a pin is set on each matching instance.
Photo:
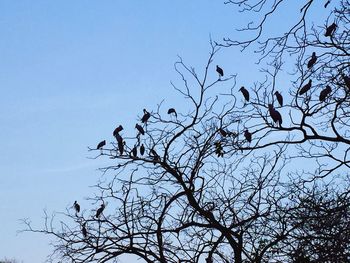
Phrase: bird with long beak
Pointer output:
(324, 93)
(275, 115)
(248, 136)
(146, 116)
(279, 98)
(101, 144)
(305, 88)
(117, 130)
(312, 60)
(172, 110)
(245, 93)
(100, 210)
(76, 207)
(142, 149)
(140, 129)
(220, 71)
(330, 30)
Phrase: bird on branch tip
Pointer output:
(146, 116)
(248, 136)
(327, 3)
(76, 206)
(330, 30)
(140, 129)
(220, 71)
(279, 98)
(117, 130)
(325, 92)
(142, 149)
(305, 88)
(134, 151)
(245, 93)
(172, 110)
(120, 143)
(218, 149)
(275, 115)
(83, 229)
(223, 132)
(101, 144)
(100, 210)
(312, 60)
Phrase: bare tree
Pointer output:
(217, 181)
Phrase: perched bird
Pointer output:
(312, 60)
(245, 93)
(99, 211)
(279, 98)
(142, 149)
(140, 129)
(305, 88)
(248, 136)
(218, 149)
(101, 144)
(275, 115)
(220, 71)
(327, 3)
(117, 130)
(325, 92)
(134, 151)
(146, 116)
(172, 110)
(223, 132)
(76, 206)
(346, 81)
(83, 229)
(330, 30)
(120, 143)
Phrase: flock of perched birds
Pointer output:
(274, 114)
(97, 215)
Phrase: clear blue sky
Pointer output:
(70, 71)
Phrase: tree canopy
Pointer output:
(258, 173)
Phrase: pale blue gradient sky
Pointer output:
(70, 71)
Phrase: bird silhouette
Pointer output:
(146, 116)
(134, 151)
(275, 115)
(312, 60)
(120, 143)
(330, 30)
(325, 92)
(305, 88)
(76, 207)
(245, 93)
(83, 230)
(100, 210)
(117, 130)
(172, 110)
(346, 81)
(218, 149)
(248, 136)
(140, 129)
(142, 149)
(101, 144)
(220, 71)
(327, 3)
(279, 98)
(223, 132)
